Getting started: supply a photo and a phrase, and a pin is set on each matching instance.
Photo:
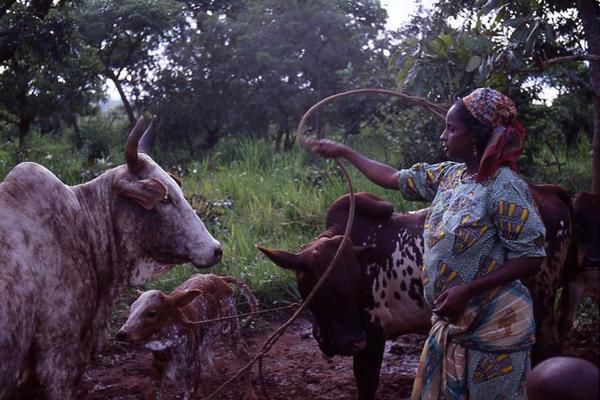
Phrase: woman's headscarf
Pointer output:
(494, 109)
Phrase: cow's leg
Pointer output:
(571, 295)
(367, 364)
(58, 373)
(546, 332)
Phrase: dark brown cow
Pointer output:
(181, 349)
(553, 203)
(67, 252)
(374, 293)
(583, 266)
(378, 285)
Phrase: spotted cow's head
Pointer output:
(155, 225)
(337, 309)
(155, 319)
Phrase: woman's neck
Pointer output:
(472, 165)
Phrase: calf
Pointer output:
(583, 272)
(66, 252)
(181, 348)
(377, 282)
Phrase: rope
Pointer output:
(436, 109)
(250, 314)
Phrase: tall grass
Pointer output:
(247, 193)
(568, 167)
(54, 153)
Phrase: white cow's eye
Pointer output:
(151, 314)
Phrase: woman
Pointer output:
(483, 234)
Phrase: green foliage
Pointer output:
(248, 193)
(565, 166)
(100, 136)
(49, 78)
(54, 153)
(253, 72)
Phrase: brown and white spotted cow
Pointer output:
(583, 266)
(182, 350)
(66, 252)
(374, 293)
(378, 281)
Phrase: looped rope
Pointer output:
(438, 110)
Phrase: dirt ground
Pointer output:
(294, 369)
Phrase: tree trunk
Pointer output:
(212, 139)
(589, 13)
(24, 125)
(126, 105)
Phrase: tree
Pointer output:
(513, 46)
(16, 21)
(126, 36)
(47, 75)
(254, 69)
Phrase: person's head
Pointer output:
(483, 118)
(565, 378)
(464, 136)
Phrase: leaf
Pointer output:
(473, 64)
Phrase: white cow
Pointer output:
(67, 252)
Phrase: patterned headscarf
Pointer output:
(494, 109)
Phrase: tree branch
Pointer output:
(581, 57)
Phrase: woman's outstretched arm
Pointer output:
(377, 172)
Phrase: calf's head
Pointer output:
(156, 319)
(337, 310)
(154, 223)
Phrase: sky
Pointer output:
(400, 11)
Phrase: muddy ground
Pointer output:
(294, 368)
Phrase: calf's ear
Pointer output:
(180, 299)
(146, 192)
(284, 259)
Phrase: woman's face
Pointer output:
(457, 140)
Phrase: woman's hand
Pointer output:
(327, 148)
(453, 301)
(379, 173)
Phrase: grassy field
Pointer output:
(248, 193)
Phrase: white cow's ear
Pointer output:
(146, 192)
